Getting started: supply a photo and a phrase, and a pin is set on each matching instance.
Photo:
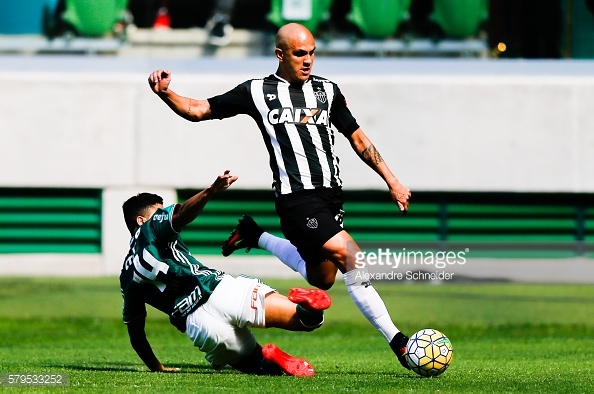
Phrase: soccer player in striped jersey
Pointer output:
(294, 110)
(214, 309)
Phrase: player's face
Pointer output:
(296, 61)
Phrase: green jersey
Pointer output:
(159, 270)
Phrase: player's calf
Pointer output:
(311, 304)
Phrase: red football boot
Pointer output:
(293, 366)
(312, 299)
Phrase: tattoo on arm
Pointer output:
(371, 156)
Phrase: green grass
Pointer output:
(506, 338)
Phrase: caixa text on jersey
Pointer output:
(298, 115)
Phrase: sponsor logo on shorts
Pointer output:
(312, 223)
(340, 217)
(254, 299)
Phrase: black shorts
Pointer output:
(309, 219)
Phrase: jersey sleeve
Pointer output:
(234, 102)
(133, 306)
(340, 115)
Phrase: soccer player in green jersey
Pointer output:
(213, 308)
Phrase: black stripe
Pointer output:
(147, 266)
(298, 100)
(335, 174)
(326, 134)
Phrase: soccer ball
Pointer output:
(429, 352)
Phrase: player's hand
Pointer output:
(159, 80)
(169, 369)
(401, 194)
(224, 181)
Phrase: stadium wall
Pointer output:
(439, 132)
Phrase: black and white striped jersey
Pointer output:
(295, 120)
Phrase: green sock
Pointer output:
(310, 319)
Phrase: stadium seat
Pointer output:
(380, 18)
(309, 13)
(94, 18)
(22, 16)
(460, 18)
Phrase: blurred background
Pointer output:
(482, 107)
(531, 29)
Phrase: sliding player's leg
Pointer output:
(302, 310)
(271, 360)
(221, 326)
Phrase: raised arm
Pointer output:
(142, 347)
(189, 210)
(369, 154)
(186, 107)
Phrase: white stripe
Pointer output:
(329, 88)
(137, 278)
(257, 92)
(312, 102)
(157, 266)
(285, 100)
(160, 285)
(177, 255)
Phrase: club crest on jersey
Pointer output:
(321, 96)
(288, 115)
(312, 223)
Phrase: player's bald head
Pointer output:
(295, 47)
(291, 34)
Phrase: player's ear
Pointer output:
(140, 220)
(279, 54)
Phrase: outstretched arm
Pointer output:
(367, 152)
(142, 347)
(189, 210)
(186, 107)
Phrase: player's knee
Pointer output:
(325, 283)
(310, 320)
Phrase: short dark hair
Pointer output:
(136, 206)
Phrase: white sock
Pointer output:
(369, 302)
(285, 251)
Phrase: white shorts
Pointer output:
(220, 326)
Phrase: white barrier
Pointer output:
(478, 131)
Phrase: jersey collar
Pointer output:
(287, 82)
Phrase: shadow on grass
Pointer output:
(131, 367)
(367, 374)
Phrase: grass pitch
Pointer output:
(506, 338)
